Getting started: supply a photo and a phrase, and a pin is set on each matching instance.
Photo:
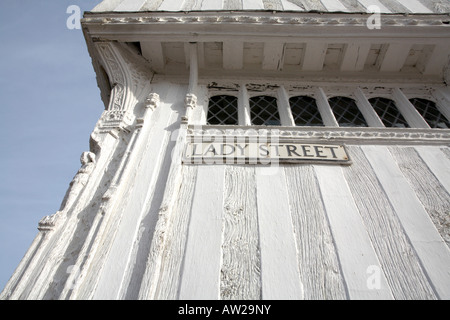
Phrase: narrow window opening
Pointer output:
(347, 112)
(388, 112)
(223, 110)
(264, 111)
(430, 113)
(305, 111)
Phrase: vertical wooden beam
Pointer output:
(279, 268)
(409, 112)
(423, 235)
(372, 118)
(233, 55)
(314, 56)
(284, 108)
(153, 52)
(244, 107)
(356, 253)
(328, 117)
(201, 280)
(395, 57)
(355, 56)
(273, 56)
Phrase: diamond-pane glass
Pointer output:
(430, 113)
(305, 112)
(264, 111)
(223, 110)
(346, 112)
(388, 112)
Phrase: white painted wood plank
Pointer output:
(288, 6)
(273, 56)
(334, 5)
(253, 4)
(430, 191)
(233, 55)
(353, 244)
(403, 270)
(170, 5)
(368, 3)
(212, 5)
(428, 244)
(200, 279)
(395, 57)
(415, 6)
(279, 268)
(438, 163)
(130, 5)
(318, 262)
(153, 52)
(107, 5)
(170, 276)
(409, 112)
(314, 56)
(240, 273)
(355, 56)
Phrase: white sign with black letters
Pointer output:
(264, 152)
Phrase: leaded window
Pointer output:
(430, 113)
(264, 111)
(223, 110)
(346, 112)
(388, 112)
(305, 111)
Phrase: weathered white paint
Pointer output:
(212, 5)
(394, 57)
(372, 118)
(408, 111)
(438, 164)
(273, 56)
(353, 245)
(284, 109)
(201, 280)
(355, 56)
(333, 5)
(170, 5)
(130, 5)
(233, 54)
(243, 107)
(428, 244)
(314, 56)
(368, 3)
(414, 6)
(324, 108)
(253, 4)
(280, 275)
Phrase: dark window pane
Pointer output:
(430, 113)
(346, 112)
(264, 111)
(305, 112)
(223, 110)
(388, 112)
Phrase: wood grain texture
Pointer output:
(240, 276)
(170, 276)
(356, 254)
(434, 197)
(406, 278)
(428, 245)
(279, 268)
(318, 263)
(202, 259)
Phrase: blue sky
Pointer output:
(49, 104)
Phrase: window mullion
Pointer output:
(328, 117)
(284, 108)
(244, 118)
(412, 116)
(372, 118)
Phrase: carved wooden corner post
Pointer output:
(174, 180)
